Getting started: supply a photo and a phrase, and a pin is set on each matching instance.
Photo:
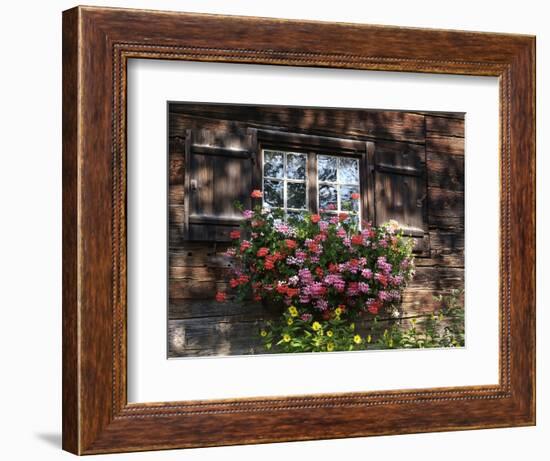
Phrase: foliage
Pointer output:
(443, 328)
(300, 333)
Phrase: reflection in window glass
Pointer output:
(285, 181)
(338, 179)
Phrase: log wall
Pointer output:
(199, 326)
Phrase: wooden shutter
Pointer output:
(400, 188)
(218, 173)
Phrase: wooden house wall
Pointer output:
(198, 325)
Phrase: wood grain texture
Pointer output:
(97, 416)
(399, 187)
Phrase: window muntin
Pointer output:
(285, 181)
(338, 180)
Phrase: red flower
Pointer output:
(234, 283)
(244, 279)
(256, 193)
(235, 234)
(245, 245)
(269, 263)
(221, 297)
(281, 289)
(357, 239)
(343, 216)
(383, 279)
(319, 272)
(263, 251)
(315, 218)
(257, 298)
(355, 196)
(332, 268)
(290, 244)
(313, 247)
(373, 307)
(291, 292)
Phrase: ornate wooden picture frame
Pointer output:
(97, 44)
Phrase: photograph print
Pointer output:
(310, 229)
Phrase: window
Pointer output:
(286, 176)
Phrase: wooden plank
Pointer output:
(192, 309)
(445, 171)
(197, 254)
(176, 194)
(200, 274)
(390, 125)
(176, 169)
(446, 203)
(448, 145)
(443, 126)
(195, 289)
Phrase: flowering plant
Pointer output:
(322, 266)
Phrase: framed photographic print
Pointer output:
(280, 230)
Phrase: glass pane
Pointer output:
(295, 216)
(347, 202)
(328, 197)
(349, 171)
(273, 193)
(354, 220)
(296, 166)
(326, 168)
(273, 164)
(296, 195)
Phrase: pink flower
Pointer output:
(248, 214)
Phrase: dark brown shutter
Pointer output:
(400, 188)
(218, 173)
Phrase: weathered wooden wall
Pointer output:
(197, 325)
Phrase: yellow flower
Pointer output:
(316, 326)
(329, 333)
(369, 338)
(357, 339)
(293, 311)
(286, 338)
(289, 321)
(352, 326)
(337, 311)
(330, 346)
(263, 333)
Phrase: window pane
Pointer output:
(349, 171)
(296, 166)
(347, 203)
(328, 197)
(273, 193)
(273, 164)
(296, 195)
(326, 168)
(295, 216)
